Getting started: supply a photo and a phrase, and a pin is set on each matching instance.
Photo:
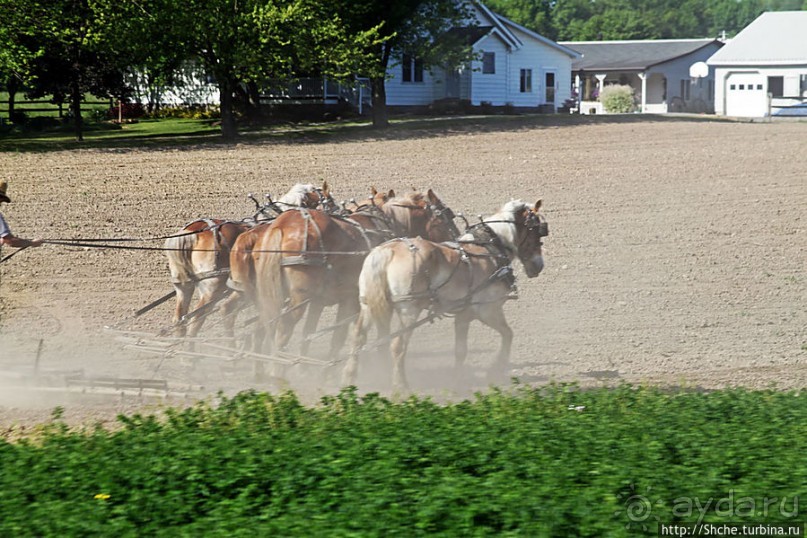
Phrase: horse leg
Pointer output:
(314, 312)
(493, 316)
(357, 341)
(346, 310)
(229, 310)
(408, 314)
(184, 295)
(209, 290)
(462, 324)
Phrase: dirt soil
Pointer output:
(676, 256)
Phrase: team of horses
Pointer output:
(390, 257)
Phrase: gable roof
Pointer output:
(773, 38)
(535, 35)
(507, 36)
(504, 28)
(632, 55)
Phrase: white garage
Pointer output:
(763, 70)
(746, 94)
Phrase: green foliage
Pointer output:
(617, 98)
(187, 112)
(554, 461)
(582, 20)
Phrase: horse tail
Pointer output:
(272, 274)
(179, 250)
(374, 292)
(242, 268)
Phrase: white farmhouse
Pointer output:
(513, 67)
(763, 70)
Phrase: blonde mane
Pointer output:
(296, 195)
(503, 223)
(397, 210)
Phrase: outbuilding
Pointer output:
(763, 70)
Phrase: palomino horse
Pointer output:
(312, 258)
(199, 255)
(470, 279)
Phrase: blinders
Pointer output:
(536, 223)
(446, 215)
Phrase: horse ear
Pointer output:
(325, 188)
(432, 197)
(391, 193)
(538, 204)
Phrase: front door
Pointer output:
(550, 86)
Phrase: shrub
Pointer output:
(19, 117)
(194, 112)
(617, 98)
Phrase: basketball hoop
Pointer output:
(698, 70)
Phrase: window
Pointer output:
(776, 86)
(742, 86)
(685, 89)
(525, 84)
(411, 69)
(733, 87)
(489, 63)
(759, 86)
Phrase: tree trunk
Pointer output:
(75, 106)
(228, 128)
(380, 117)
(379, 90)
(12, 87)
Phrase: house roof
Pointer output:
(773, 38)
(468, 35)
(535, 35)
(509, 37)
(632, 55)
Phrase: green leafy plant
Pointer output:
(550, 461)
(617, 98)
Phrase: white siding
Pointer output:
(677, 70)
(500, 88)
(400, 93)
(540, 58)
(490, 88)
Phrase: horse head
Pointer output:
(440, 226)
(324, 200)
(417, 214)
(530, 229)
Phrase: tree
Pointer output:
(242, 43)
(61, 53)
(417, 28)
(19, 45)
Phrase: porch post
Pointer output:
(643, 78)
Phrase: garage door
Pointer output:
(746, 95)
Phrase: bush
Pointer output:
(617, 99)
(550, 461)
(18, 117)
(193, 112)
(40, 123)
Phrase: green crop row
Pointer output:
(552, 461)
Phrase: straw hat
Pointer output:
(3, 188)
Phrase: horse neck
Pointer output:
(504, 228)
(407, 219)
(296, 197)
